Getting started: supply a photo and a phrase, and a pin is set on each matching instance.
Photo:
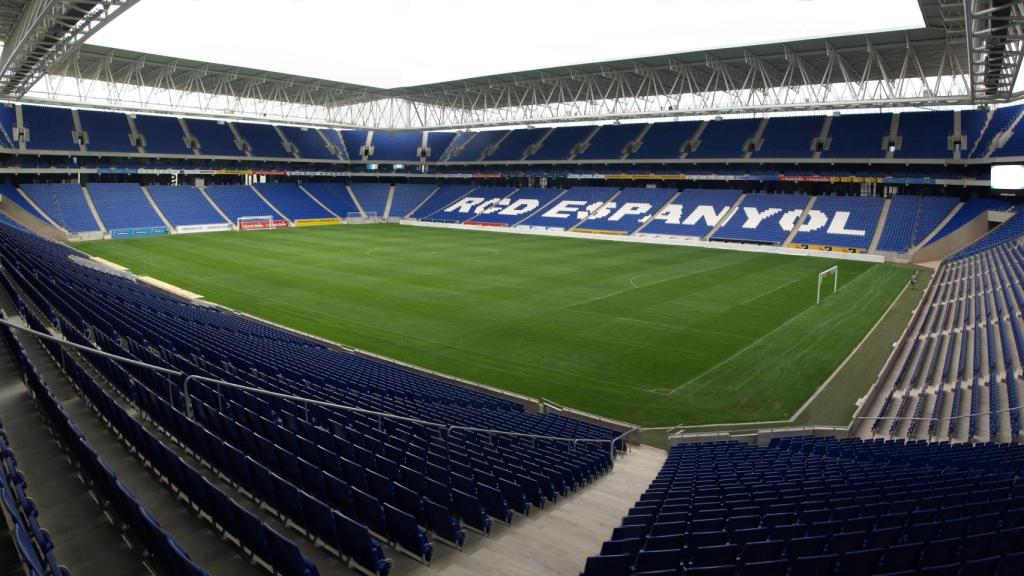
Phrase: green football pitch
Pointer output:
(654, 335)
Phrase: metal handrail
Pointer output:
(298, 399)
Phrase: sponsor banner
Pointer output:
(262, 224)
(491, 224)
(316, 222)
(608, 232)
(826, 248)
(488, 175)
(138, 232)
(255, 225)
(194, 228)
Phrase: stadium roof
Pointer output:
(969, 52)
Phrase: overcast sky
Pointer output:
(392, 43)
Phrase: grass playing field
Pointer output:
(655, 335)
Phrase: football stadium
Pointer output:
(650, 288)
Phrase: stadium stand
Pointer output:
(610, 141)
(957, 367)
(574, 206)
(396, 146)
(283, 452)
(665, 140)
(841, 222)
(334, 197)
(519, 206)
(438, 142)
(372, 197)
(65, 204)
(162, 134)
(474, 145)
(34, 544)
(1000, 120)
(49, 128)
(10, 193)
(263, 140)
(630, 209)
(481, 201)
(925, 135)
(725, 138)
(800, 507)
(107, 131)
(694, 213)
(518, 142)
(407, 197)
(763, 218)
(239, 201)
(560, 144)
(972, 122)
(969, 211)
(334, 138)
(789, 137)
(309, 142)
(292, 202)
(1014, 144)
(214, 137)
(858, 136)
(911, 219)
(184, 206)
(8, 122)
(123, 206)
(445, 195)
(354, 140)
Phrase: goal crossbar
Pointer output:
(822, 276)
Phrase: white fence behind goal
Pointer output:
(255, 223)
(358, 218)
(823, 276)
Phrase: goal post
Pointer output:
(254, 223)
(823, 277)
(360, 218)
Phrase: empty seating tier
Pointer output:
(763, 218)
(215, 138)
(49, 128)
(334, 197)
(350, 446)
(373, 198)
(292, 202)
(407, 197)
(162, 135)
(693, 214)
(263, 140)
(574, 206)
(818, 507)
(65, 204)
(841, 222)
(123, 206)
(107, 131)
(239, 201)
(184, 206)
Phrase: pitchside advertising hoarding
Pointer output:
(138, 232)
(262, 224)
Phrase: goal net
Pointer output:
(255, 223)
(358, 218)
(823, 280)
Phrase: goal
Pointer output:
(255, 223)
(358, 218)
(823, 278)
